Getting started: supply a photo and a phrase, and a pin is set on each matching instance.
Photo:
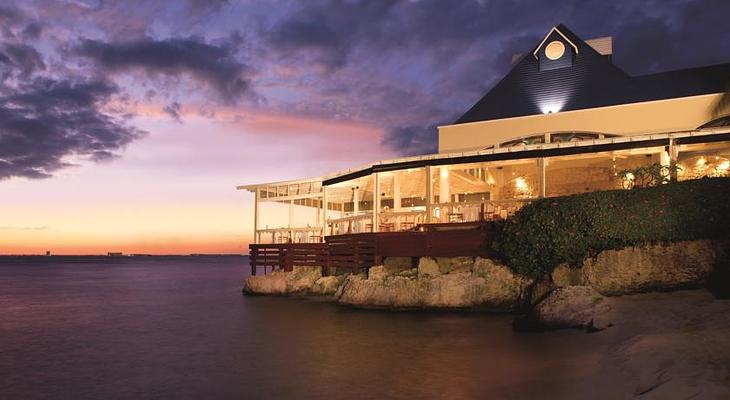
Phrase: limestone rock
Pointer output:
(328, 285)
(409, 273)
(652, 267)
(573, 307)
(454, 264)
(428, 267)
(564, 276)
(501, 287)
(300, 280)
(273, 283)
(395, 265)
(495, 288)
(377, 273)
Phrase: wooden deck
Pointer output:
(359, 251)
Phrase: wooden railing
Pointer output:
(358, 252)
(287, 255)
(355, 252)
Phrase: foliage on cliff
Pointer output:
(552, 231)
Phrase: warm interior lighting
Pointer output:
(444, 173)
(521, 184)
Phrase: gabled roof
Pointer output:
(591, 81)
(555, 30)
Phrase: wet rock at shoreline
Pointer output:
(327, 285)
(301, 280)
(573, 307)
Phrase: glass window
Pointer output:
(703, 160)
(582, 173)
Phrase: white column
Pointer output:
(256, 196)
(673, 157)
(444, 192)
(291, 219)
(396, 199)
(376, 202)
(541, 162)
(396, 192)
(429, 193)
(356, 200)
(324, 212)
(355, 224)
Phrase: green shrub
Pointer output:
(552, 231)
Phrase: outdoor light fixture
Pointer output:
(551, 107)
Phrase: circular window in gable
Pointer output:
(554, 50)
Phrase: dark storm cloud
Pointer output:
(32, 31)
(412, 140)
(331, 29)
(205, 7)
(21, 59)
(692, 34)
(45, 121)
(214, 65)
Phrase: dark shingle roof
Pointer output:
(591, 81)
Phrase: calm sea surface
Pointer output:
(180, 328)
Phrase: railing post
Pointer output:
(253, 255)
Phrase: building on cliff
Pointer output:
(564, 120)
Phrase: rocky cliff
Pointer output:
(568, 298)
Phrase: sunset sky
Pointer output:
(126, 125)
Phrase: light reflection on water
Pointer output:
(179, 328)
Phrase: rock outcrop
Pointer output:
(481, 283)
(300, 281)
(327, 285)
(653, 267)
(573, 307)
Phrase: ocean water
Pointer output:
(179, 328)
